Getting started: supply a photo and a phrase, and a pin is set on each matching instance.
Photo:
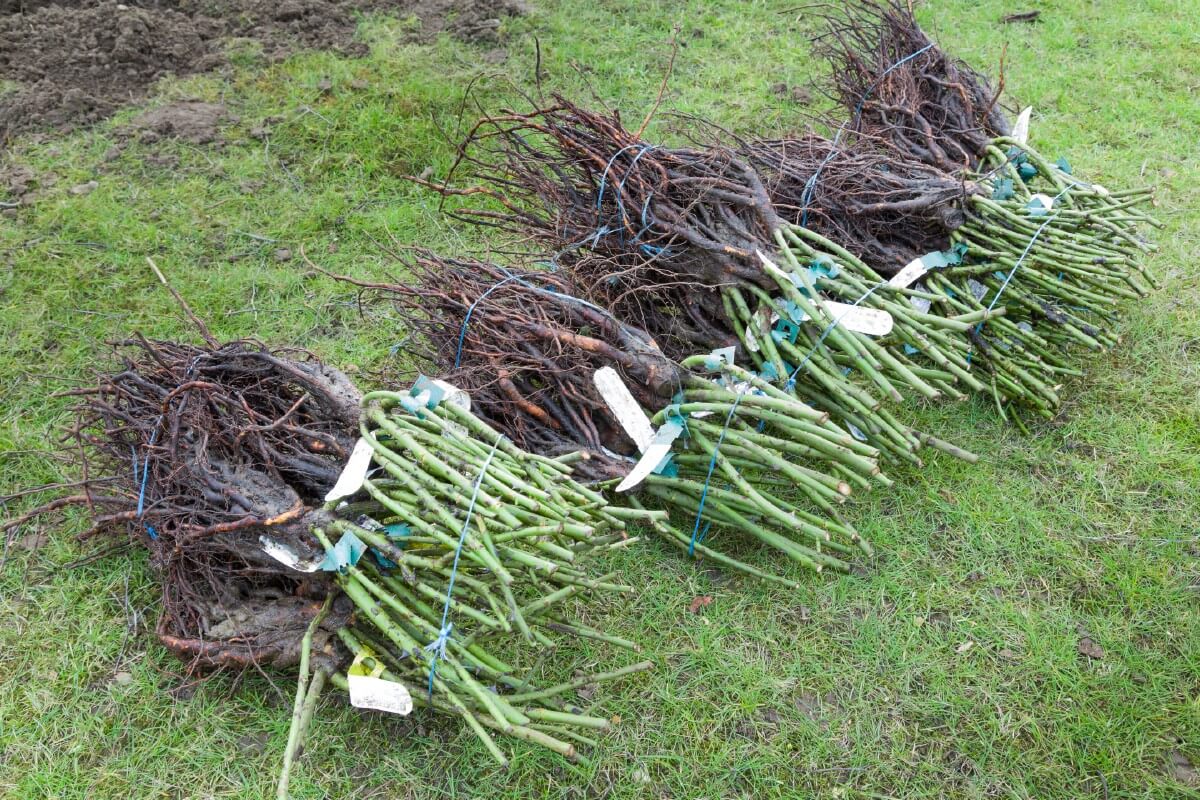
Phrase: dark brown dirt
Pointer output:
(190, 120)
(74, 62)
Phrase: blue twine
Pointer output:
(603, 229)
(811, 184)
(462, 333)
(438, 645)
(712, 463)
(620, 184)
(145, 477)
(141, 504)
(1008, 278)
(791, 381)
(649, 249)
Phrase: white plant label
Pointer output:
(285, 555)
(763, 319)
(871, 321)
(921, 304)
(912, 271)
(651, 457)
(379, 695)
(354, 473)
(624, 407)
(1020, 130)
(767, 263)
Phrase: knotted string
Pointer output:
(462, 333)
(811, 184)
(1028, 247)
(791, 381)
(438, 646)
(697, 536)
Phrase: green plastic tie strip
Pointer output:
(1036, 208)
(945, 258)
(345, 553)
(785, 329)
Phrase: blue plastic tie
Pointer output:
(620, 184)
(438, 645)
(602, 229)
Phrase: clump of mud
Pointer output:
(74, 63)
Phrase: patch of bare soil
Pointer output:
(190, 120)
(67, 63)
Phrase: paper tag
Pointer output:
(652, 456)
(379, 695)
(624, 407)
(912, 271)
(354, 473)
(368, 690)
(871, 321)
(286, 555)
(1020, 130)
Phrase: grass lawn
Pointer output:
(952, 668)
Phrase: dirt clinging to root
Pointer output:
(66, 64)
